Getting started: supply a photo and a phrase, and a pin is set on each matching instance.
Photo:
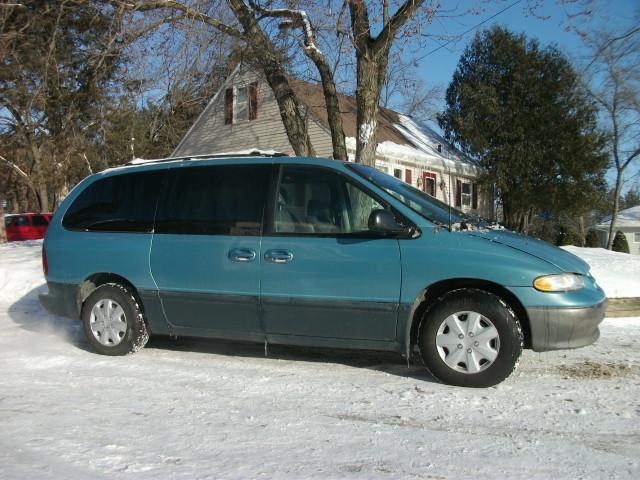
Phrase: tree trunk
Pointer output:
(583, 233)
(43, 198)
(367, 95)
(290, 110)
(265, 54)
(616, 207)
(332, 102)
(3, 234)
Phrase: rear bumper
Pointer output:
(562, 328)
(60, 300)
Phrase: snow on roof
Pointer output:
(399, 136)
(626, 218)
(422, 147)
(427, 140)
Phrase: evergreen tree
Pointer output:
(58, 67)
(591, 240)
(567, 236)
(519, 110)
(620, 243)
(630, 199)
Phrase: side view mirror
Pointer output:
(383, 221)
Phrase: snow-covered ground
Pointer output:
(617, 273)
(195, 409)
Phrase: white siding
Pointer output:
(211, 135)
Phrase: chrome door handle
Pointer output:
(242, 255)
(278, 256)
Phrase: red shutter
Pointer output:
(458, 193)
(407, 176)
(474, 195)
(228, 106)
(253, 101)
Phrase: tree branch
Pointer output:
(145, 6)
(391, 28)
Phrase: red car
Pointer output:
(26, 226)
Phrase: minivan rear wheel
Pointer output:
(113, 321)
(470, 338)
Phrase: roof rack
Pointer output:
(241, 154)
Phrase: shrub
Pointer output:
(620, 243)
(592, 240)
(566, 236)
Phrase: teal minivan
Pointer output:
(310, 252)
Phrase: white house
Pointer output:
(244, 114)
(628, 222)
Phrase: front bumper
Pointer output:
(562, 328)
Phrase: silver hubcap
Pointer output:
(108, 322)
(468, 342)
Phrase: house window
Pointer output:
(429, 183)
(466, 194)
(241, 103)
(636, 237)
(407, 176)
(397, 173)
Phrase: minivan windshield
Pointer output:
(425, 205)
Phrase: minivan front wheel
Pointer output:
(113, 321)
(470, 338)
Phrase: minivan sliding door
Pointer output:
(205, 257)
(324, 273)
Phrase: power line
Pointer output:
(469, 30)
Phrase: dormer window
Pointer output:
(241, 103)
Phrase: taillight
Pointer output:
(45, 264)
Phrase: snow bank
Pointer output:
(617, 273)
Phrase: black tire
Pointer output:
(508, 344)
(131, 337)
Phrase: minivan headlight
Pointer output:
(563, 282)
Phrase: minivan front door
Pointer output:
(324, 274)
(206, 257)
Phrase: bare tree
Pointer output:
(299, 19)
(372, 58)
(614, 74)
(422, 102)
(262, 51)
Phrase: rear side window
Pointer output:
(22, 222)
(121, 203)
(214, 200)
(39, 221)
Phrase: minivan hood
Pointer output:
(562, 259)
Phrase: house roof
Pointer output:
(626, 218)
(399, 136)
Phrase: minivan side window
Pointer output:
(214, 200)
(318, 201)
(121, 203)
